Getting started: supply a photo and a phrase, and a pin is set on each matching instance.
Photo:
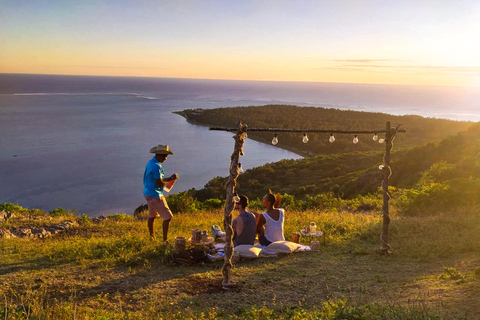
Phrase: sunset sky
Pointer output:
(394, 42)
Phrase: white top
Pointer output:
(274, 228)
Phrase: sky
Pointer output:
(418, 42)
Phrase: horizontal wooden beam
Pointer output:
(310, 130)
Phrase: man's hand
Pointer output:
(174, 176)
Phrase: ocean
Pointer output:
(82, 142)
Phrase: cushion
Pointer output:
(247, 251)
(283, 247)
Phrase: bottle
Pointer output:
(204, 236)
(169, 186)
(313, 228)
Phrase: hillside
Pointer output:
(111, 269)
(420, 130)
(347, 175)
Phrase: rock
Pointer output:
(24, 233)
(37, 232)
(40, 233)
(6, 234)
(99, 219)
(5, 215)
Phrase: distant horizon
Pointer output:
(237, 80)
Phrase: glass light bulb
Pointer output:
(240, 169)
(332, 138)
(305, 138)
(381, 167)
(275, 139)
(355, 139)
(375, 137)
(381, 140)
(236, 198)
(246, 135)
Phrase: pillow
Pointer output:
(247, 251)
(283, 247)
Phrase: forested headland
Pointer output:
(420, 130)
(434, 163)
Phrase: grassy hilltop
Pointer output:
(111, 269)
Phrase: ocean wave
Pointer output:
(72, 94)
(146, 98)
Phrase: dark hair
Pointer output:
(271, 198)
(243, 201)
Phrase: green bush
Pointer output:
(213, 204)
(10, 207)
(59, 212)
(439, 196)
(183, 202)
(85, 219)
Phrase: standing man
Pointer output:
(154, 182)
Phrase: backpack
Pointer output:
(191, 256)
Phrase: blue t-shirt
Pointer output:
(153, 171)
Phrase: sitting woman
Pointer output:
(270, 222)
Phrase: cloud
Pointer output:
(366, 60)
(118, 67)
(397, 66)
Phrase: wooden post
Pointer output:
(229, 204)
(387, 172)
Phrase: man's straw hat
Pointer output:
(161, 149)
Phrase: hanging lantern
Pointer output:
(332, 138)
(305, 138)
(275, 139)
(355, 139)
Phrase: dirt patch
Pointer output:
(197, 285)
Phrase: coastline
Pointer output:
(421, 130)
(194, 121)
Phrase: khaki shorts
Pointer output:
(158, 207)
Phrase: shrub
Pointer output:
(183, 202)
(439, 196)
(85, 219)
(59, 212)
(10, 207)
(213, 204)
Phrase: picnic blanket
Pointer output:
(259, 251)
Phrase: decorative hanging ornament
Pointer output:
(332, 138)
(275, 139)
(375, 137)
(305, 138)
(240, 169)
(355, 139)
(381, 140)
(236, 198)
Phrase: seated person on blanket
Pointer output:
(244, 225)
(270, 222)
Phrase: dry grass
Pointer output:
(113, 270)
